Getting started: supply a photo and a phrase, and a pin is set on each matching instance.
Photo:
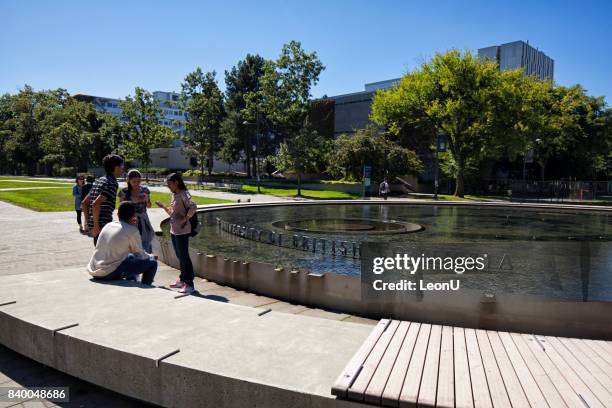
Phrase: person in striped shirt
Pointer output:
(103, 196)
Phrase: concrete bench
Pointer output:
(408, 364)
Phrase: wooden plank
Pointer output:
(357, 390)
(391, 393)
(412, 383)
(606, 345)
(497, 389)
(445, 397)
(429, 381)
(374, 390)
(478, 378)
(578, 387)
(506, 369)
(463, 385)
(350, 372)
(546, 386)
(528, 383)
(590, 380)
(599, 349)
(604, 366)
(564, 388)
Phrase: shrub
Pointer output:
(67, 172)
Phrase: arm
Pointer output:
(85, 207)
(192, 208)
(168, 210)
(136, 246)
(97, 205)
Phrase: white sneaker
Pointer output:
(186, 289)
(177, 284)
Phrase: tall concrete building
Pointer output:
(519, 54)
(171, 116)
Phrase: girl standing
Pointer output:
(181, 209)
(76, 194)
(140, 196)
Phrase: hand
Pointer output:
(95, 231)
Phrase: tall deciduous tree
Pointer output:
(202, 102)
(453, 93)
(142, 131)
(284, 97)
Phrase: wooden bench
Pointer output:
(410, 364)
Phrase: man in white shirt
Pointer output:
(119, 253)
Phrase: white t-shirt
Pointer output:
(116, 241)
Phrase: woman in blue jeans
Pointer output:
(181, 209)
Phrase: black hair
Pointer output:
(131, 174)
(90, 179)
(110, 161)
(126, 211)
(179, 179)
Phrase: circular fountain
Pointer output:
(548, 269)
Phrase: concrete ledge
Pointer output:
(230, 355)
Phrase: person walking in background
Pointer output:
(119, 253)
(103, 196)
(181, 209)
(141, 197)
(76, 194)
(89, 180)
(384, 189)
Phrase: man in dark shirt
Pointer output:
(103, 196)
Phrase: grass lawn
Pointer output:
(292, 192)
(283, 192)
(19, 184)
(56, 199)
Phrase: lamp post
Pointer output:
(255, 148)
(440, 147)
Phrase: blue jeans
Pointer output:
(181, 248)
(131, 267)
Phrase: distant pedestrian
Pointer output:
(141, 197)
(103, 196)
(76, 194)
(384, 189)
(181, 209)
(89, 180)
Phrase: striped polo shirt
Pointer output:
(106, 186)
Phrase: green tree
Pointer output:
(369, 146)
(284, 98)
(305, 153)
(141, 128)
(284, 91)
(69, 134)
(25, 126)
(454, 93)
(242, 84)
(202, 102)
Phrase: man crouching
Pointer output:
(119, 253)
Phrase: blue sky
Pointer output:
(108, 47)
